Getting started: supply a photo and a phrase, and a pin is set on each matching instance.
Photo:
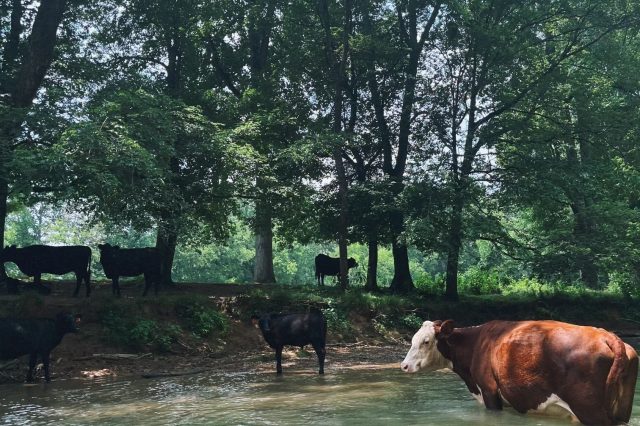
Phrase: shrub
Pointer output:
(623, 283)
(430, 285)
(200, 319)
(477, 281)
(337, 321)
(122, 327)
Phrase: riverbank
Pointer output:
(199, 327)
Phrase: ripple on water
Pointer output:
(346, 397)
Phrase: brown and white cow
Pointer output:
(532, 365)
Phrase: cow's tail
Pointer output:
(620, 385)
(317, 271)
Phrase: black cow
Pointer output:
(119, 262)
(35, 337)
(40, 259)
(326, 265)
(295, 330)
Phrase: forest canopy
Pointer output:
(451, 146)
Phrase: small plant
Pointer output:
(123, 328)
(412, 321)
(199, 319)
(337, 321)
(430, 285)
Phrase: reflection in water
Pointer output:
(371, 397)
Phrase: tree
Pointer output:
(483, 45)
(26, 57)
(114, 165)
(392, 81)
(577, 151)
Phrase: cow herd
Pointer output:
(116, 262)
(587, 372)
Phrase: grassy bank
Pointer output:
(216, 323)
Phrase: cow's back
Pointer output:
(533, 360)
(57, 260)
(133, 262)
(22, 336)
(298, 329)
(327, 265)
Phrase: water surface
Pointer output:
(341, 397)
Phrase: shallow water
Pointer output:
(342, 397)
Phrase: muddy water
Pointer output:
(342, 397)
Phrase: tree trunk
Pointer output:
(263, 269)
(372, 268)
(343, 220)
(4, 191)
(338, 68)
(166, 242)
(454, 242)
(402, 281)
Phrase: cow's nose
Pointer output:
(404, 366)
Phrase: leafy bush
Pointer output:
(201, 320)
(477, 281)
(122, 328)
(337, 321)
(430, 284)
(412, 321)
(624, 283)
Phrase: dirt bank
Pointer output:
(87, 355)
(369, 343)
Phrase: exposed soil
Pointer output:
(86, 355)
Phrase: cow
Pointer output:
(119, 262)
(532, 365)
(38, 259)
(279, 330)
(36, 338)
(326, 265)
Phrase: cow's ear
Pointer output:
(444, 330)
(437, 323)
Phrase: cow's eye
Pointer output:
(426, 341)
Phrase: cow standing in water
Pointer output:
(532, 365)
(295, 330)
(326, 265)
(36, 338)
(40, 259)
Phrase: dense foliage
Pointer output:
(464, 146)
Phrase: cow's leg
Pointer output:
(320, 351)
(87, 280)
(590, 414)
(322, 279)
(45, 360)
(279, 360)
(79, 276)
(33, 358)
(36, 279)
(147, 284)
(491, 398)
(116, 286)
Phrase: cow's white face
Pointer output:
(423, 354)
